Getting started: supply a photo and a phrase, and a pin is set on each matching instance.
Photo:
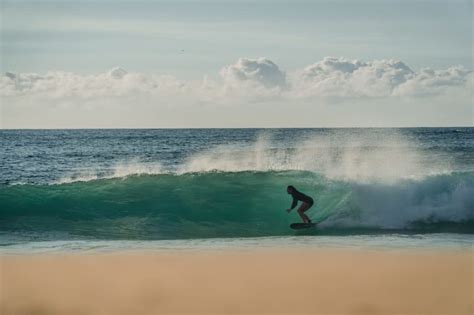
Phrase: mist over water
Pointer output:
(182, 184)
(358, 156)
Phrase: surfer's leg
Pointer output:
(304, 206)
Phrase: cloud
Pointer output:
(261, 71)
(248, 80)
(114, 83)
(429, 81)
(340, 77)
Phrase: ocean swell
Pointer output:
(235, 204)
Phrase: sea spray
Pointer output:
(383, 156)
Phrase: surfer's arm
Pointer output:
(294, 203)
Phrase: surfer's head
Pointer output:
(290, 189)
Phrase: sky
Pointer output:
(166, 64)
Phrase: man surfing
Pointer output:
(299, 196)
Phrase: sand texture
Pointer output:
(316, 281)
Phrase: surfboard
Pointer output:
(299, 226)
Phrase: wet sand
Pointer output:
(318, 281)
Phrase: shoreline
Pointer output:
(313, 281)
(388, 242)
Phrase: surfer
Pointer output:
(299, 196)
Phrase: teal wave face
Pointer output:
(159, 206)
(227, 204)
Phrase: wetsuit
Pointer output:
(301, 197)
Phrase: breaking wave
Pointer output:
(361, 181)
(234, 204)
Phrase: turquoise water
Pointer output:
(233, 204)
(121, 189)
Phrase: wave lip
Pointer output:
(119, 170)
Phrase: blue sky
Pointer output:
(236, 63)
(192, 38)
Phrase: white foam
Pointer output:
(355, 156)
(361, 156)
(436, 199)
(119, 170)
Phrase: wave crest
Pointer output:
(358, 156)
(119, 170)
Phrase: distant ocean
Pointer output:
(67, 190)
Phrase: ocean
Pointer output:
(119, 189)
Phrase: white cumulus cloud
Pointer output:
(248, 79)
(114, 83)
(429, 81)
(340, 77)
(261, 71)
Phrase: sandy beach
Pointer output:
(319, 281)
